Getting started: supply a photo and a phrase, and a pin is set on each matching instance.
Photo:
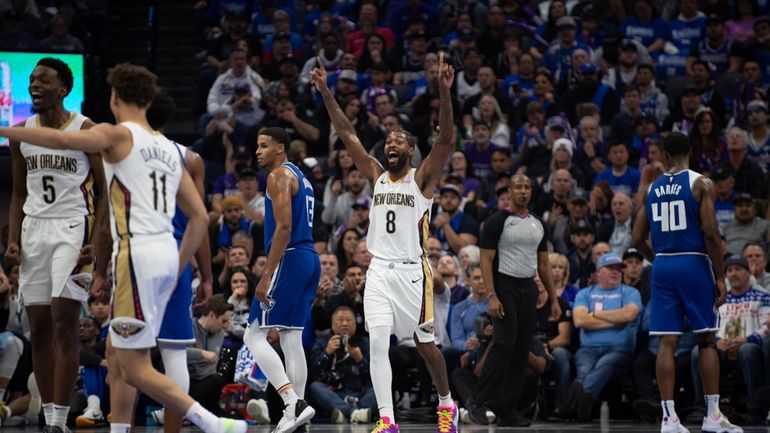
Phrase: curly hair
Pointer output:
(133, 84)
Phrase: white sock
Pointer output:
(94, 402)
(288, 395)
(379, 369)
(207, 421)
(117, 427)
(175, 364)
(446, 400)
(712, 403)
(59, 416)
(668, 409)
(265, 356)
(296, 364)
(48, 413)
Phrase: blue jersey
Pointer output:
(302, 206)
(180, 219)
(673, 214)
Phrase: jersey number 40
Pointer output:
(671, 215)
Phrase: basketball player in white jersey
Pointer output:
(146, 181)
(399, 283)
(52, 217)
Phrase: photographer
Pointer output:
(340, 366)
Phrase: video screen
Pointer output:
(15, 102)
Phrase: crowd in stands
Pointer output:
(576, 95)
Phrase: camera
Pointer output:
(479, 324)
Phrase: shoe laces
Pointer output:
(445, 420)
(381, 426)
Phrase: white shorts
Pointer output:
(49, 255)
(144, 277)
(400, 295)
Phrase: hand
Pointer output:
(334, 343)
(323, 287)
(376, 55)
(5, 285)
(336, 187)
(496, 308)
(319, 77)
(12, 254)
(472, 343)
(721, 292)
(202, 294)
(355, 353)
(209, 356)
(534, 131)
(555, 310)
(99, 287)
(441, 220)
(225, 127)
(588, 148)
(288, 115)
(723, 344)
(446, 73)
(86, 255)
(555, 213)
(261, 291)
(372, 120)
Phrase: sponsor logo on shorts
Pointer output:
(427, 327)
(126, 330)
(414, 281)
(72, 226)
(267, 306)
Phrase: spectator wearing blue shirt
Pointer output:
(607, 314)
(619, 175)
(685, 31)
(645, 27)
(463, 318)
(724, 185)
(558, 58)
(282, 29)
(452, 227)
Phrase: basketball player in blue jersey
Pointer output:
(399, 282)
(146, 181)
(51, 217)
(686, 248)
(287, 287)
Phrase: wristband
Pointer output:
(491, 295)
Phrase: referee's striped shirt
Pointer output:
(517, 241)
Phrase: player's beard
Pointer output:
(399, 164)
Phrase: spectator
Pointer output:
(362, 256)
(329, 52)
(709, 95)
(717, 49)
(708, 144)
(472, 110)
(754, 253)
(560, 276)
(380, 75)
(236, 92)
(723, 204)
(682, 120)
(248, 190)
(555, 336)
(535, 161)
(558, 58)
(462, 169)
(351, 297)
(340, 365)
(589, 88)
(748, 176)
(299, 125)
(410, 66)
(467, 78)
(242, 282)
(654, 101)
(60, 40)
(553, 204)
(590, 149)
(645, 133)
(533, 132)
(346, 247)
(624, 74)
(448, 271)
(622, 128)
(617, 232)
(654, 167)
(359, 218)
(645, 27)
(237, 256)
(747, 226)
(462, 323)
(607, 334)
(205, 384)
(619, 175)
(759, 134)
(93, 372)
(740, 27)
(367, 25)
(599, 202)
(686, 30)
(232, 221)
(14, 37)
(453, 228)
(577, 210)
(635, 274)
(282, 28)
(99, 309)
(519, 84)
(339, 208)
(742, 323)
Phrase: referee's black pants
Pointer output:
(502, 375)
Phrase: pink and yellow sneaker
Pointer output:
(448, 417)
(384, 425)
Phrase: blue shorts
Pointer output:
(177, 325)
(682, 284)
(290, 293)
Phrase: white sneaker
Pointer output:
(360, 416)
(91, 417)
(672, 425)
(337, 417)
(257, 409)
(465, 418)
(491, 417)
(159, 416)
(35, 402)
(294, 416)
(719, 425)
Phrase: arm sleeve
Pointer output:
(543, 245)
(493, 228)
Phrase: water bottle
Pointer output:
(604, 414)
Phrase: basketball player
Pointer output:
(686, 246)
(399, 283)
(145, 181)
(52, 215)
(287, 287)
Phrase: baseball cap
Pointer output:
(565, 22)
(417, 35)
(581, 226)
(563, 143)
(633, 252)
(557, 122)
(578, 196)
(610, 259)
(361, 202)
(347, 74)
(737, 260)
(743, 197)
(452, 188)
(720, 172)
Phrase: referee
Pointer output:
(513, 251)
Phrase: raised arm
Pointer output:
(369, 166)
(429, 172)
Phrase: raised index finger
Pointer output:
(441, 59)
(320, 64)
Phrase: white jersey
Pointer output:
(143, 185)
(399, 219)
(59, 182)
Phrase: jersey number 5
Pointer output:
(50, 192)
(670, 215)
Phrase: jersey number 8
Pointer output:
(670, 215)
